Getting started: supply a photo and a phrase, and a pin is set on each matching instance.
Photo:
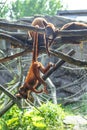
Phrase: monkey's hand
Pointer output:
(18, 96)
(51, 64)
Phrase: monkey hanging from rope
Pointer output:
(33, 76)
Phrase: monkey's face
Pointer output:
(49, 33)
(23, 92)
(50, 29)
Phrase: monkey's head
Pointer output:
(49, 35)
(49, 29)
(23, 92)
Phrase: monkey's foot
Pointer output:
(45, 91)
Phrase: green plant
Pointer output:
(24, 8)
(3, 125)
(79, 107)
(50, 118)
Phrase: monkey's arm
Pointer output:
(45, 69)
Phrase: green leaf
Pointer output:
(3, 125)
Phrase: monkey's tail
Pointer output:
(28, 87)
(35, 45)
(37, 91)
(40, 80)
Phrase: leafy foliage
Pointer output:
(3, 125)
(50, 118)
(79, 107)
(3, 8)
(21, 8)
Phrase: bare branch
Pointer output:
(9, 94)
(14, 56)
(6, 108)
(80, 35)
(7, 58)
(14, 34)
(67, 33)
(57, 65)
(14, 40)
(68, 59)
(21, 27)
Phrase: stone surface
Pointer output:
(78, 121)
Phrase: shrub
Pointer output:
(50, 118)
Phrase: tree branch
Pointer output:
(57, 65)
(17, 26)
(12, 39)
(7, 58)
(10, 95)
(15, 34)
(20, 39)
(6, 108)
(68, 59)
(68, 33)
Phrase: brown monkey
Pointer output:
(44, 38)
(71, 26)
(33, 76)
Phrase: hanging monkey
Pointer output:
(33, 76)
(44, 38)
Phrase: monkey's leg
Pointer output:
(32, 88)
(36, 69)
(35, 86)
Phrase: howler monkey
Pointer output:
(33, 76)
(71, 26)
(48, 36)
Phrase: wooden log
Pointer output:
(15, 34)
(65, 33)
(57, 65)
(20, 39)
(14, 40)
(10, 95)
(5, 25)
(29, 49)
(61, 41)
(68, 33)
(68, 59)
(6, 108)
